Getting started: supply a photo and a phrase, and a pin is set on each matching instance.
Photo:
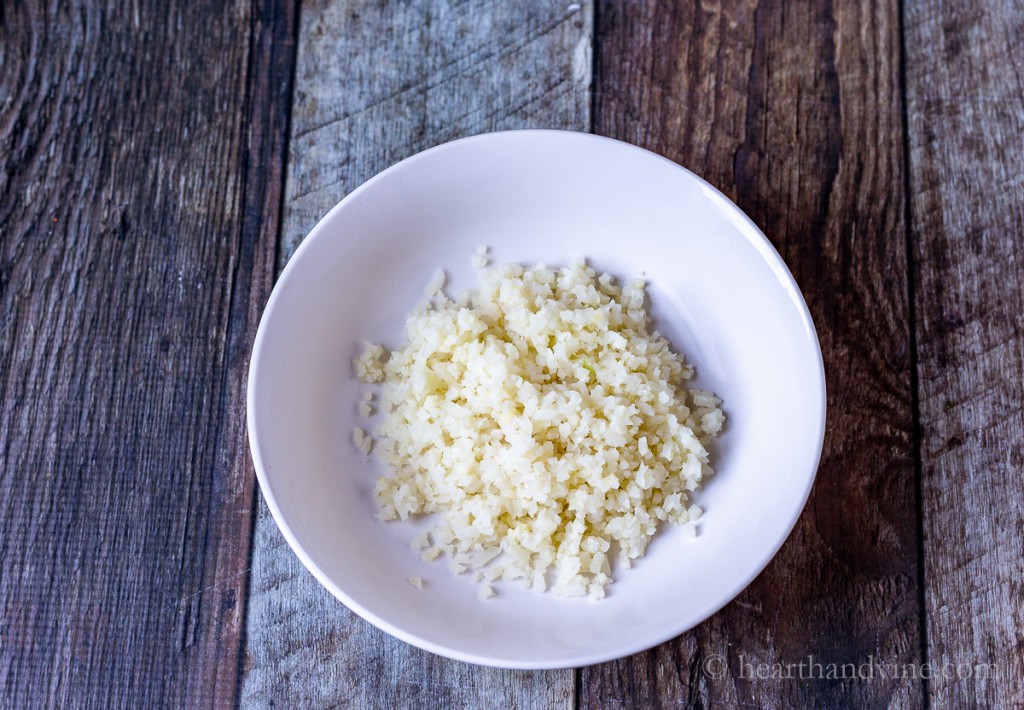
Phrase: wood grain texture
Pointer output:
(143, 216)
(794, 110)
(137, 242)
(376, 83)
(965, 95)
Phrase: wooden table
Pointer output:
(160, 162)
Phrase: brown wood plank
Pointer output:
(794, 110)
(965, 98)
(138, 200)
(376, 83)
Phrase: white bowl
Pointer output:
(717, 289)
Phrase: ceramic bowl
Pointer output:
(717, 289)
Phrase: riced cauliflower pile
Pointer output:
(543, 422)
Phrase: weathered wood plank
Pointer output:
(794, 110)
(137, 243)
(965, 97)
(375, 84)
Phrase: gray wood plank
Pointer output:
(375, 84)
(137, 240)
(965, 97)
(794, 110)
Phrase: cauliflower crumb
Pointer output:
(436, 283)
(421, 541)
(416, 582)
(369, 365)
(365, 445)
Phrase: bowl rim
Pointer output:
(758, 240)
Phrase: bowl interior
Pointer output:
(717, 289)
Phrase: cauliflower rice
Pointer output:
(542, 422)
